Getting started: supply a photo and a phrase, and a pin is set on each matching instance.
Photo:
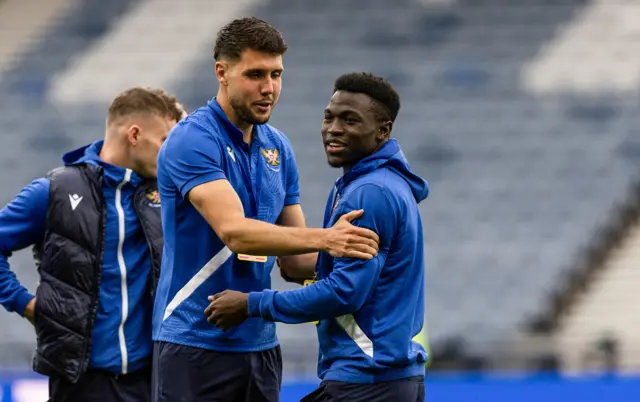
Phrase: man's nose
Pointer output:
(335, 128)
(268, 86)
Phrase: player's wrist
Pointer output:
(24, 301)
(253, 304)
(245, 305)
(322, 240)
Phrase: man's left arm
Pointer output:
(344, 291)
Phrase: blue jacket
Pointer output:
(369, 311)
(22, 223)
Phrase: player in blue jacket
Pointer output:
(368, 311)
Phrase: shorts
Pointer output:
(185, 373)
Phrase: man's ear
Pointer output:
(222, 72)
(133, 134)
(384, 131)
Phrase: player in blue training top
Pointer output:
(369, 311)
(226, 178)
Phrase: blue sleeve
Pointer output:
(22, 223)
(190, 157)
(292, 196)
(350, 283)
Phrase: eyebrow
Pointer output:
(260, 69)
(343, 112)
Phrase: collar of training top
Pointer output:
(231, 130)
(370, 163)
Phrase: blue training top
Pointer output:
(204, 147)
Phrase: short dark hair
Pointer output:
(248, 33)
(385, 97)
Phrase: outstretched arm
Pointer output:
(221, 207)
(193, 160)
(345, 291)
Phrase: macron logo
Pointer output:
(75, 200)
(231, 153)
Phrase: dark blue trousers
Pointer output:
(101, 386)
(403, 390)
(187, 374)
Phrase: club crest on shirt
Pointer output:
(154, 198)
(271, 156)
(335, 204)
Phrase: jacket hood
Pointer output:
(90, 154)
(390, 155)
(85, 154)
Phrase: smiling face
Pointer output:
(351, 129)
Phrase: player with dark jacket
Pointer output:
(97, 236)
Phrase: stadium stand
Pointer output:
(607, 58)
(520, 182)
(160, 38)
(599, 326)
(525, 168)
(23, 22)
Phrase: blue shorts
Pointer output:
(403, 390)
(184, 373)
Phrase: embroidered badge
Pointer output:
(271, 156)
(154, 198)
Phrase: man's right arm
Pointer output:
(222, 208)
(192, 160)
(22, 223)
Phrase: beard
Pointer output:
(246, 114)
